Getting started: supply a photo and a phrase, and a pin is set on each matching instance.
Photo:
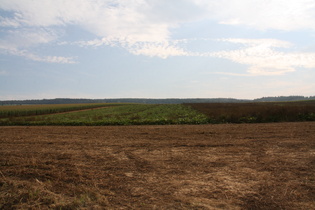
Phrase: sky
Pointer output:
(98, 49)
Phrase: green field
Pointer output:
(28, 110)
(157, 114)
(114, 114)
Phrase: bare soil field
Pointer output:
(226, 166)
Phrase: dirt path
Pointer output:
(236, 166)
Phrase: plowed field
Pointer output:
(226, 166)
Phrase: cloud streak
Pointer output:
(48, 59)
(262, 57)
(284, 15)
(163, 49)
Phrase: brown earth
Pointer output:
(230, 166)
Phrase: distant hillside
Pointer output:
(153, 101)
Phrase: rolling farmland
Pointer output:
(157, 114)
(161, 156)
(114, 114)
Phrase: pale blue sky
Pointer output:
(242, 49)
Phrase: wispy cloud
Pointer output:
(31, 56)
(20, 41)
(133, 15)
(48, 59)
(144, 27)
(28, 37)
(9, 22)
(116, 18)
(163, 49)
(263, 15)
(233, 74)
(123, 23)
(2, 72)
(263, 57)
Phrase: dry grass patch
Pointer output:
(243, 166)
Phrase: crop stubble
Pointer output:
(230, 166)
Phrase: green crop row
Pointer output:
(32, 110)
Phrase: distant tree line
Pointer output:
(153, 101)
(284, 98)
